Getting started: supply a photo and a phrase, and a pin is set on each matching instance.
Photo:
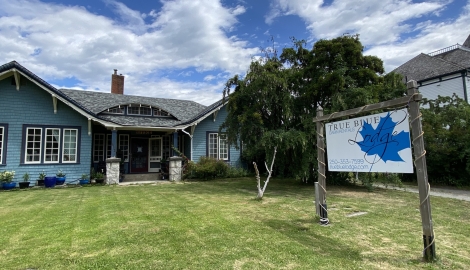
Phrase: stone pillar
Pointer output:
(112, 171)
(176, 169)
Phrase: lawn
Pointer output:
(219, 225)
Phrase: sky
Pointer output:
(188, 49)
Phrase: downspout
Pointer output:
(190, 136)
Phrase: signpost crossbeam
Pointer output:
(367, 108)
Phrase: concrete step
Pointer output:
(133, 177)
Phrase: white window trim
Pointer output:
(94, 146)
(45, 146)
(76, 146)
(26, 147)
(126, 152)
(218, 147)
(140, 110)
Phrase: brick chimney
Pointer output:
(117, 83)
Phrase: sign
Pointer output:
(374, 143)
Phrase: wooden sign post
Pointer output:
(412, 102)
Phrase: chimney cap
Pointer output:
(115, 71)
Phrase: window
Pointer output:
(115, 110)
(124, 146)
(33, 145)
(98, 147)
(139, 110)
(69, 149)
(159, 112)
(217, 146)
(52, 145)
(3, 140)
(109, 145)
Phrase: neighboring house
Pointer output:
(44, 128)
(443, 72)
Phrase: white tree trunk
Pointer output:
(258, 179)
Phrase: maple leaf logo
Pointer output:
(383, 142)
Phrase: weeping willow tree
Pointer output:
(274, 104)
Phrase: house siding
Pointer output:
(443, 88)
(32, 106)
(200, 138)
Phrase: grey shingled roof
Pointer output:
(460, 56)
(424, 67)
(97, 102)
(93, 103)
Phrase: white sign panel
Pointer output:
(374, 143)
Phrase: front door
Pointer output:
(155, 154)
(139, 155)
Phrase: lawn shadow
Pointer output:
(307, 233)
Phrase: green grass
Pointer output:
(219, 225)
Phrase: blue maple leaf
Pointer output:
(383, 141)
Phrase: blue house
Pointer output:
(47, 129)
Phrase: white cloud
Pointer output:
(377, 21)
(57, 41)
(382, 24)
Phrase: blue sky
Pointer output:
(187, 49)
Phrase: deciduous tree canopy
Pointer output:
(274, 104)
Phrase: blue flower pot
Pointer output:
(84, 181)
(49, 181)
(8, 185)
(60, 180)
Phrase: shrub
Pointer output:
(207, 168)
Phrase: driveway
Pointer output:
(452, 193)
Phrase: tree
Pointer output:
(446, 122)
(274, 104)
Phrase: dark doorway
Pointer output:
(139, 155)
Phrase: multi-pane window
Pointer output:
(52, 145)
(223, 147)
(115, 110)
(33, 145)
(109, 145)
(2, 141)
(98, 147)
(124, 146)
(218, 146)
(158, 112)
(69, 149)
(166, 147)
(139, 110)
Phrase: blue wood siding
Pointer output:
(32, 105)
(200, 138)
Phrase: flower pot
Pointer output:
(49, 181)
(84, 181)
(60, 180)
(40, 183)
(23, 185)
(8, 185)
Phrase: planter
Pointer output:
(84, 181)
(40, 183)
(50, 181)
(23, 185)
(99, 181)
(59, 180)
(8, 185)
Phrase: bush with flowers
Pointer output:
(7, 176)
